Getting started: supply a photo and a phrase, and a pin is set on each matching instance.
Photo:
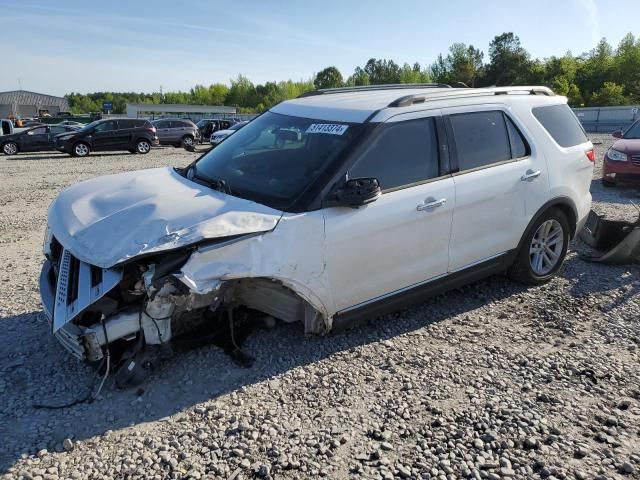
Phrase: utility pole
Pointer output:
(161, 97)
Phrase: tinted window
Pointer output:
(178, 124)
(481, 139)
(39, 131)
(57, 130)
(162, 124)
(561, 124)
(519, 146)
(106, 126)
(124, 124)
(400, 154)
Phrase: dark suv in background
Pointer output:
(176, 131)
(135, 136)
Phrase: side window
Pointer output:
(401, 153)
(562, 124)
(106, 126)
(519, 146)
(124, 124)
(39, 131)
(57, 130)
(481, 139)
(177, 124)
(162, 124)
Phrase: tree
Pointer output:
(594, 68)
(462, 64)
(509, 62)
(382, 71)
(610, 95)
(359, 78)
(242, 93)
(415, 74)
(330, 77)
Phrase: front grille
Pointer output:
(635, 159)
(79, 285)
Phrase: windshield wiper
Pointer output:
(217, 184)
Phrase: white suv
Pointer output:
(328, 208)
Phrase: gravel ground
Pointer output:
(490, 381)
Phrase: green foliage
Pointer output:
(330, 77)
(603, 76)
(462, 64)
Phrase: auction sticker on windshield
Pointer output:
(329, 128)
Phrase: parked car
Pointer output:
(176, 132)
(34, 139)
(622, 161)
(378, 197)
(220, 135)
(133, 135)
(207, 126)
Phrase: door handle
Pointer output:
(530, 175)
(430, 203)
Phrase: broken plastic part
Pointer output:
(617, 241)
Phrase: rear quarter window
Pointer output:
(562, 124)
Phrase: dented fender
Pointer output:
(297, 260)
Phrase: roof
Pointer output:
(359, 105)
(25, 97)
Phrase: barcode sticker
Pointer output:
(328, 128)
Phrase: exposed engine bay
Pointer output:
(140, 313)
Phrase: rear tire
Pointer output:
(80, 149)
(143, 146)
(10, 148)
(543, 249)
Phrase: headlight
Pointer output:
(46, 244)
(616, 156)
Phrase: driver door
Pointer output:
(35, 140)
(402, 239)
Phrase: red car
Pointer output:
(622, 160)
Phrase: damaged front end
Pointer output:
(616, 242)
(139, 312)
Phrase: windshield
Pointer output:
(274, 158)
(237, 126)
(633, 131)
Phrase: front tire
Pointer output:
(80, 150)
(143, 146)
(10, 148)
(188, 141)
(543, 249)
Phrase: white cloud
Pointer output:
(590, 11)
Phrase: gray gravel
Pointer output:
(490, 381)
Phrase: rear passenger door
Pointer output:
(123, 135)
(500, 182)
(401, 239)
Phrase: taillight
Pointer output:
(591, 155)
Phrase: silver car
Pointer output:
(176, 132)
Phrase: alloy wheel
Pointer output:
(143, 147)
(81, 150)
(546, 247)
(10, 148)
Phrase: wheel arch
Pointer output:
(565, 205)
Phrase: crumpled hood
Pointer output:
(107, 220)
(629, 146)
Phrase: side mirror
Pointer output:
(355, 193)
(617, 134)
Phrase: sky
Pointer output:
(62, 46)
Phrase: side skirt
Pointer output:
(402, 299)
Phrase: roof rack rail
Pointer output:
(366, 88)
(407, 100)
